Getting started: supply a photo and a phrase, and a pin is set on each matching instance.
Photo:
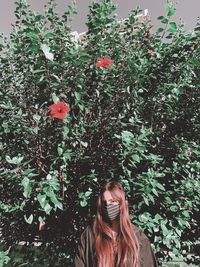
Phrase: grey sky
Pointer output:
(187, 10)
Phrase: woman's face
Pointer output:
(107, 197)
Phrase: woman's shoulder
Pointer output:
(87, 236)
(139, 233)
(88, 231)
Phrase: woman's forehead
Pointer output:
(107, 196)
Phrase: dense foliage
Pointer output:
(122, 103)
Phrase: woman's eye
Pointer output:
(110, 202)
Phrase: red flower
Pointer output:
(59, 110)
(104, 62)
(150, 52)
(45, 6)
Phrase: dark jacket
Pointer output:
(86, 256)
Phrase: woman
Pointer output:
(112, 240)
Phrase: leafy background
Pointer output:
(136, 121)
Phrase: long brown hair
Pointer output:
(128, 246)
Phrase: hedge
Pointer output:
(120, 103)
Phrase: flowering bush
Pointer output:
(122, 103)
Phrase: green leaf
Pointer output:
(160, 30)
(36, 117)
(88, 193)
(47, 208)
(35, 130)
(127, 136)
(98, 93)
(151, 198)
(158, 218)
(57, 78)
(38, 18)
(5, 106)
(14, 160)
(27, 187)
(49, 35)
(42, 199)
(83, 203)
(85, 144)
(41, 219)
(136, 158)
(4, 259)
(81, 107)
(65, 132)
(85, 57)
(55, 98)
(164, 229)
(78, 96)
(38, 71)
(146, 200)
(172, 27)
(171, 11)
(67, 156)
(161, 187)
(169, 36)
(33, 36)
(155, 192)
(60, 151)
(59, 205)
(186, 213)
(145, 217)
(55, 200)
(29, 220)
(174, 208)
(163, 19)
(181, 222)
(178, 231)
